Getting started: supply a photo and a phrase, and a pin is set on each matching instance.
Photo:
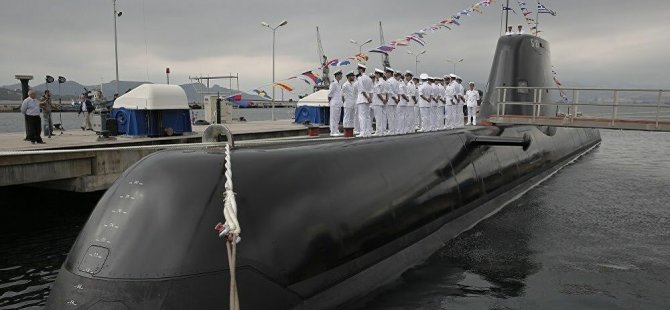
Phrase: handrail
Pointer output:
(587, 88)
(615, 104)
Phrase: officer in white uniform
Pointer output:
(425, 98)
(460, 92)
(335, 103)
(471, 98)
(392, 89)
(363, 101)
(349, 94)
(433, 103)
(379, 100)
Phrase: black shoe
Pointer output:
(82, 128)
(41, 142)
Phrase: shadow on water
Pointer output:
(37, 229)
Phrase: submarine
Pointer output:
(324, 222)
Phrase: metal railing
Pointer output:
(659, 115)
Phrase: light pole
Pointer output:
(116, 47)
(274, 30)
(360, 46)
(455, 62)
(416, 58)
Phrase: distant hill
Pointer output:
(9, 94)
(74, 89)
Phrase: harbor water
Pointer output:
(594, 236)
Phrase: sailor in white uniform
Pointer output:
(379, 100)
(410, 98)
(335, 103)
(450, 107)
(425, 98)
(357, 123)
(417, 110)
(434, 123)
(349, 94)
(510, 31)
(363, 101)
(441, 90)
(471, 99)
(460, 92)
(390, 108)
(401, 110)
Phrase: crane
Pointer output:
(323, 60)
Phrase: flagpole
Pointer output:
(501, 19)
(537, 19)
(507, 16)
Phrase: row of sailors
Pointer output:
(399, 104)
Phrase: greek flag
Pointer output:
(541, 9)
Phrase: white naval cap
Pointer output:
(453, 76)
(389, 69)
(472, 83)
(337, 72)
(459, 78)
(423, 76)
(362, 66)
(377, 70)
(351, 73)
(409, 72)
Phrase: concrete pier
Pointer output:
(77, 161)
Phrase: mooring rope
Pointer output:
(230, 229)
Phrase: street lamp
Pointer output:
(455, 62)
(360, 46)
(274, 30)
(116, 46)
(416, 67)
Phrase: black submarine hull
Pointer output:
(323, 223)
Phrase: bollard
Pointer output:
(313, 131)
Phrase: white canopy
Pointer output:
(153, 97)
(317, 99)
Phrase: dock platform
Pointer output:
(77, 161)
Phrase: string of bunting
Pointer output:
(313, 77)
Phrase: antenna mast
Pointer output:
(385, 58)
(323, 60)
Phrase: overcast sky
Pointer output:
(596, 42)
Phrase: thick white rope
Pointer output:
(230, 229)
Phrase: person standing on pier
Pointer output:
(31, 109)
(86, 107)
(335, 103)
(47, 106)
(349, 94)
(471, 98)
(365, 86)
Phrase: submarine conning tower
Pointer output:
(520, 61)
